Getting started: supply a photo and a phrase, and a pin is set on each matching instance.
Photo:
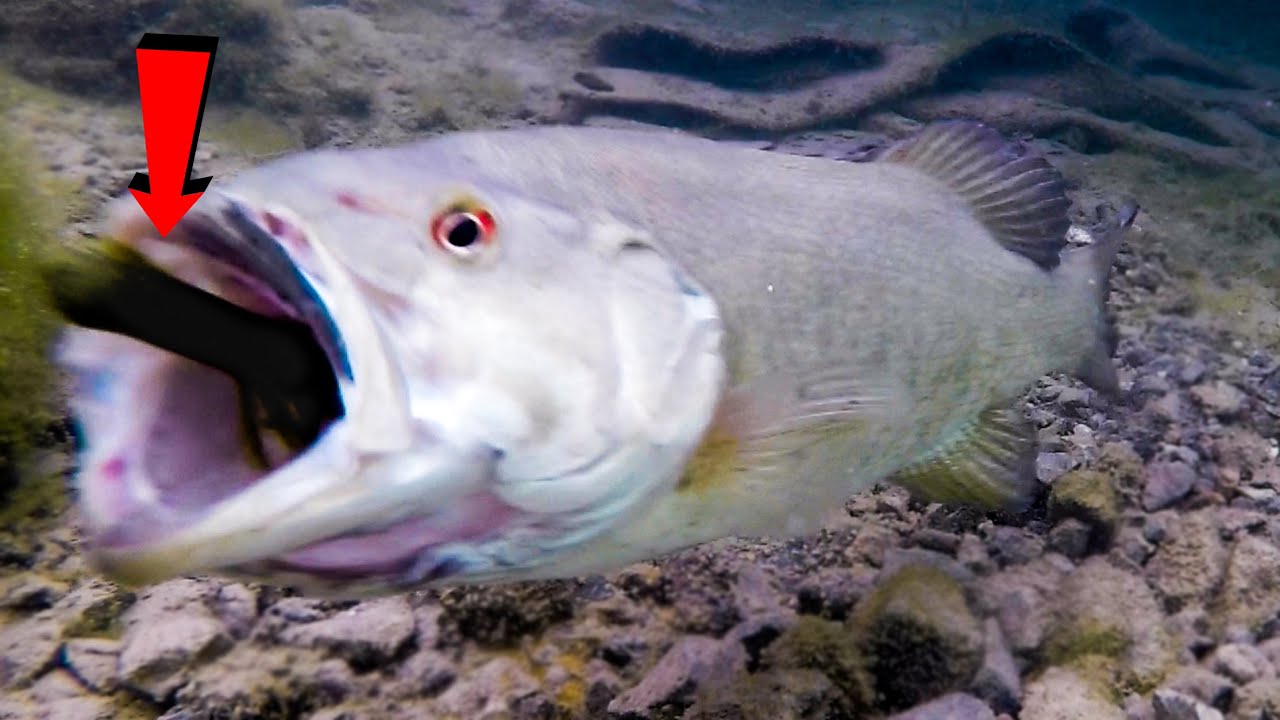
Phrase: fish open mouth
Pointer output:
(210, 361)
(223, 428)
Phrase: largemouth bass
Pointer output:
(559, 350)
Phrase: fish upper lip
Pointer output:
(260, 256)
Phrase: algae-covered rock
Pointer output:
(829, 647)
(1062, 694)
(1090, 497)
(919, 636)
(26, 321)
(1188, 566)
(1109, 620)
(1250, 594)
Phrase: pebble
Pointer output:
(1164, 483)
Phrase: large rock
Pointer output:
(919, 636)
(1103, 611)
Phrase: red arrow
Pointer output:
(173, 80)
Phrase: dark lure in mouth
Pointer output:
(276, 351)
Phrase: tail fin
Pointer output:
(1093, 263)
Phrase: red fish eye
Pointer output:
(463, 232)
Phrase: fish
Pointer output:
(557, 350)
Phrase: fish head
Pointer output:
(512, 378)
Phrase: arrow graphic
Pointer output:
(173, 80)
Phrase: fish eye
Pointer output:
(463, 232)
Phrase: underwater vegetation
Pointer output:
(26, 322)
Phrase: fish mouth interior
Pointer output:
(168, 437)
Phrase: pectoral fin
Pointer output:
(764, 425)
(990, 463)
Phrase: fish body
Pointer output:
(638, 342)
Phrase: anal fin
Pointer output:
(990, 464)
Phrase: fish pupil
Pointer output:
(465, 232)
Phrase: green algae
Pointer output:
(829, 647)
(27, 323)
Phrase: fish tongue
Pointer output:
(284, 375)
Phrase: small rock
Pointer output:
(1071, 538)
(1013, 545)
(93, 661)
(1204, 685)
(1052, 465)
(755, 592)
(1220, 399)
(1250, 592)
(1166, 483)
(1061, 694)
(1192, 372)
(474, 696)
(1241, 663)
(1190, 562)
(691, 663)
(157, 652)
(997, 681)
(1090, 497)
(1173, 705)
(56, 685)
(368, 634)
(27, 649)
(918, 635)
(1259, 700)
(954, 706)
(237, 606)
(1022, 599)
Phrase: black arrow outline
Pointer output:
(183, 43)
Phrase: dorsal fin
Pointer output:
(1020, 197)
